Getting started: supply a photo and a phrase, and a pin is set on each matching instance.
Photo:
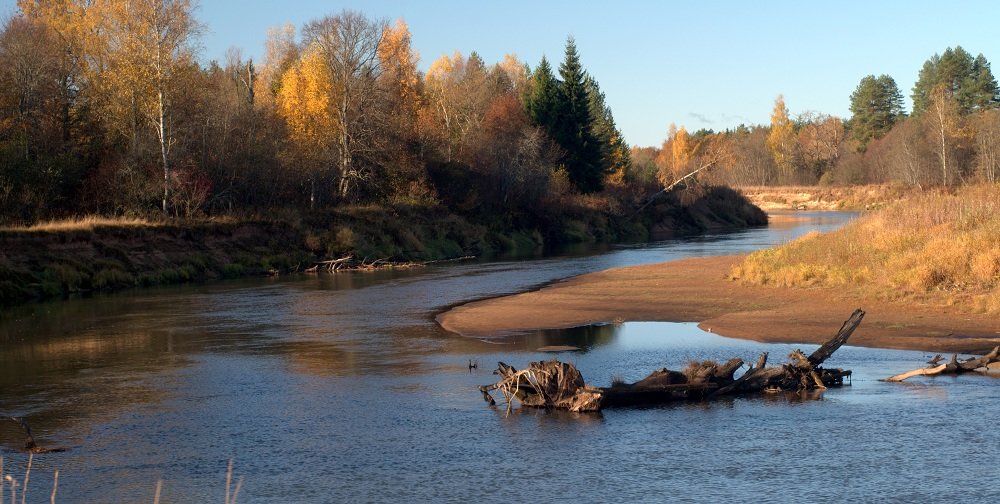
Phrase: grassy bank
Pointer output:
(84, 255)
(937, 247)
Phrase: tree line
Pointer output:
(106, 109)
(952, 136)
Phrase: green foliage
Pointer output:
(574, 130)
(876, 105)
(233, 270)
(112, 278)
(616, 157)
(966, 79)
(542, 105)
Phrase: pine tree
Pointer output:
(876, 105)
(574, 129)
(966, 79)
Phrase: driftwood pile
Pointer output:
(954, 366)
(351, 263)
(554, 384)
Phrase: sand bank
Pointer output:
(697, 290)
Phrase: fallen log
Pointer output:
(953, 367)
(554, 384)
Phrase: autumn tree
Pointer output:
(345, 48)
(782, 139)
(751, 163)
(517, 156)
(401, 83)
(280, 53)
(29, 76)
(147, 48)
(819, 140)
(967, 80)
(944, 122)
(516, 73)
(876, 105)
(904, 155)
(306, 102)
(987, 126)
(36, 168)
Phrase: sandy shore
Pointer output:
(696, 290)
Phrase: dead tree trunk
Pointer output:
(955, 366)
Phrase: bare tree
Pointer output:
(348, 43)
(988, 145)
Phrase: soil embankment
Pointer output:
(698, 290)
(53, 261)
(35, 265)
(822, 198)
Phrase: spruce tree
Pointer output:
(616, 157)
(542, 103)
(574, 129)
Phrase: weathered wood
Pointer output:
(846, 330)
(928, 371)
(350, 263)
(554, 384)
(954, 366)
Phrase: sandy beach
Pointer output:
(697, 290)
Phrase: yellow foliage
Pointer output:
(399, 62)
(781, 140)
(680, 149)
(445, 67)
(304, 102)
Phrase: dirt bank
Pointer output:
(821, 198)
(697, 290)
(35, 265)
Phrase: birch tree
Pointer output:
(348, 44)
(148, 45)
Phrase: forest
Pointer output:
(106, 109)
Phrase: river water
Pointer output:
(343, 389)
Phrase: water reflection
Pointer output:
(342, 388)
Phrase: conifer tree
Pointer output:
(876, 105)
(969, 81)
(574, 129)
(542, 104)
(616, 157)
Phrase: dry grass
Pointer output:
(936, 247)
(84, 223)
(863, 197)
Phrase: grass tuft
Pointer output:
(85, 223)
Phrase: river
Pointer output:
(343, 389)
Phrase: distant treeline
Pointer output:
(951, 137)
(107, 110)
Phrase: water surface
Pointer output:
(343, 389)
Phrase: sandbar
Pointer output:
(698, 290)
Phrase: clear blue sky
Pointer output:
(701, 64)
